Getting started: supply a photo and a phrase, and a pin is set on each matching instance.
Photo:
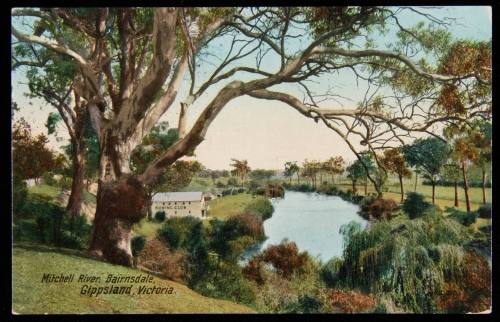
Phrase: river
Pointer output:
(312, 221)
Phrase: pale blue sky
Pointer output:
(267, 133)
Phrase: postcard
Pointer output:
(252, 160)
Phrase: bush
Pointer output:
(260, 191)
(484, 211)
(350, 301)
(463, 217)
(306, 304)
(137, 244)
(232, 182)
(175, 231)
(19, 196)
(261, 207)
(48, 179)
(472, 292)
(220, 184)
(415, 205)
(241, 190)
(243, 224)
(157, 257)
(55, 227)
(227, 284)
(382, 208)
(330, 271)
(160, 216)
(285, 258)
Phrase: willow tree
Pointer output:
(133, 62)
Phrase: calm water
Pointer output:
(312, 221)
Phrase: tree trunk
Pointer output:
(366, 187)
(75, 200)
(290, 180)
(402, 189)
(354, 186)
(456, 193)
(122, 200)
(466, 186)
(433, 192)
(298, 178)
(333, 178)
(416, 180)
(484, 185)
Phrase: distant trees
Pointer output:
(261, 174)
(395, 163)
(240, 169)
(360, 169)
(310, 169)
(429, 155)
(292, 168)
(471, 143)
(334, 166)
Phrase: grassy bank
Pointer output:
(29, 295)
(222, 208)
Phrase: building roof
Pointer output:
(178, 196)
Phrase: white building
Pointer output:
(180, 204)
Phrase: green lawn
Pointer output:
(224, 207)
(146, 228)
(31, 296)
(45, 190)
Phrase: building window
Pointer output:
(189, 203)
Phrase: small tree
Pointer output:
(394, 162)
(335, 166)
(415, 205)
(292, 168)
(451, 171)
(429, 155)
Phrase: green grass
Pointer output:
(146, 228)
(224, 207)
(30, 296)
(45, 190)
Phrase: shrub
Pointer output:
(260, 191)
(244, 224)
(484, 211)
(415, 205)
(382, 208)
(285, 258)
(157, 257)
(463, 217)
(261, 207)
(471, 292)
(350, 301)
(228, 284)
(137, 244)
(329, 272)
(241, 190)
(19, 196)
(220, 184)
(232, 182)
(175, 231)
(48, 179)
(160, 216)
(306, 304)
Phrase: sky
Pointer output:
(266, 133)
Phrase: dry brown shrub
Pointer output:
(382, 208)
(350, 301)
(157, 257)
